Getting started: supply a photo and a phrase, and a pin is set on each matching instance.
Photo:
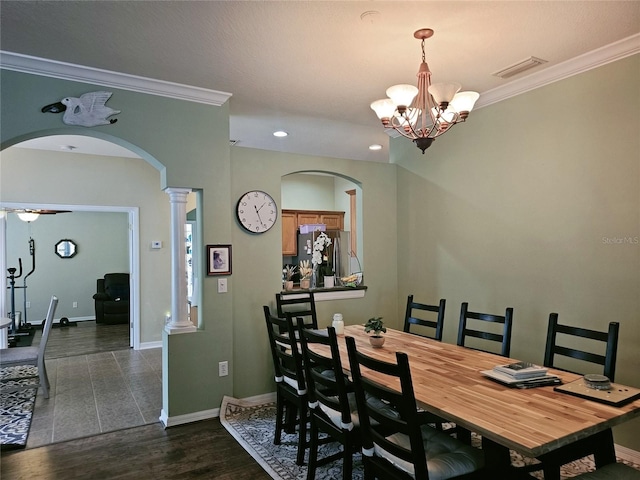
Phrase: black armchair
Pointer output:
(112, 298)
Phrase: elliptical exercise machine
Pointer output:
(22, 327)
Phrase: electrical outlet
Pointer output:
(28, 304)
(223, 369)
(75, 304)
(222, 285)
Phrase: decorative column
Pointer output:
(179, 322)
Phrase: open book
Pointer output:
(521, 370)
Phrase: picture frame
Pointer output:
(218, 260)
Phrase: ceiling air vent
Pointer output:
(519, 67)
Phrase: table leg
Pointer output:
(604, 450)
(599, 444)
(495, 455)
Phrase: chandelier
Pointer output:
(424, 113)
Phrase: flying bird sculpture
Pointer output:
(88, 111)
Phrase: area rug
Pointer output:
(253, 426)
(16, 407)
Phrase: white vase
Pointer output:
(376, 341)
(328, 282)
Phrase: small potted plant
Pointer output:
(375, 325)
(289, 271)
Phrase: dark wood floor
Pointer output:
(84, 338)
(196, 450)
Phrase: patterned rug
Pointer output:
(253, 425)
(16, 407)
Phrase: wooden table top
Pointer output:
(447, 381)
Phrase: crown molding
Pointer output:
(78, 73)
(68, 71)
(588, 61)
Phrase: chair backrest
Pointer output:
(608, 338)
(287, 358)
(48, 323)
(504, 338)
(116, 285)
(327, 392)
(300, 305)
(382, 410)
(415, 315)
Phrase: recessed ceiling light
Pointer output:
(280, 133)
(375, 146)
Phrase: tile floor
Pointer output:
(97, 393)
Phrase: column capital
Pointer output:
(178, 195)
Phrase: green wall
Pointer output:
(521, 207)
(103, 246)
(257, 258)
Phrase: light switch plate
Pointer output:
(222, 285)
(156, 244)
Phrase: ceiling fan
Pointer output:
(30, 214)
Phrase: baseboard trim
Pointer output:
(188, 418)
(148, 345)
(625, 453)
(213, 413)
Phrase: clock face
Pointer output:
(256, 211)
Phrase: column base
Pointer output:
(173, 329)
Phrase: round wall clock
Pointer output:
(256, 211)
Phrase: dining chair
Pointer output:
(301, 304)
(608, 340)
(612, 471)
(395, 445)
(465, 329)
(33, 355)
(332, 404)
(291, 389)
(416, 314)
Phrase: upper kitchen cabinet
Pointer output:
(292, 219)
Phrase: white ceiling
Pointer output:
(312, 68)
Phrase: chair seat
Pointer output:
(612, 471)
(18, 354)
(446, 456)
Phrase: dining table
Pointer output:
(536, 422)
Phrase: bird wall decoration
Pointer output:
(88, 111)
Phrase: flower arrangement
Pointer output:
(305, 270)
(319, 245)
(319, 257)
(289, 271)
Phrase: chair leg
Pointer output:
(313, 451)
(279, 415)
(290, 422)
(44, 379)
(302, 435)
(347, 460)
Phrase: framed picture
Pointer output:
(218, 259)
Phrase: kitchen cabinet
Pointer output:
(289, 231)
(292, 219)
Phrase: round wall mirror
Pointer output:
(66, 248)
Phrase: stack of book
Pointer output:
(522, 375)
